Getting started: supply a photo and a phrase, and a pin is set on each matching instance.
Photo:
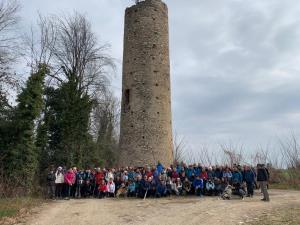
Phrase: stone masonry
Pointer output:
(146, 120)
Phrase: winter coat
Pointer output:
(160, 188)
(218, 173)
(51, 178)
(131, 187)
(204, 175)
(210, 186)
(103, 188)
(70, 178)
(211, 174)
(227, 175)
(237, 177)
(198, 183)
(159, 167)
(262, 174)
(59, 177)
(189, 172)
(197, 171)
(249, 176)
(111, 187)
(79, 178)
(99, 177)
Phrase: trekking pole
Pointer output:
(145, 194)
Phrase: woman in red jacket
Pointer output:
(102, 189)
(204, 177)
(69, 181)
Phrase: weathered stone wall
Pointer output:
(146, 126)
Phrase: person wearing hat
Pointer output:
(59, 182)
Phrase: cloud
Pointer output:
(234, 64)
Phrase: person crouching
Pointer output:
(102, 190)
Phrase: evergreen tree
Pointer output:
(20, 160)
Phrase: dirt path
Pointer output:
(175, 210)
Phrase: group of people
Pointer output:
(158, 181)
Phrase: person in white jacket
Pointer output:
(111, 188)
(59, 182)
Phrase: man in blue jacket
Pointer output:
(198, 186)
(249, 178)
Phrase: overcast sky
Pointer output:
(235, 64)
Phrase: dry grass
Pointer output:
(12, 207)
(282, 216)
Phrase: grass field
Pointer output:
(10, 207)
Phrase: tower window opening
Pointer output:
(127, 100)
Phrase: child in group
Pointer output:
(111, 188)
(102, 190)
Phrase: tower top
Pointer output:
(138, 1)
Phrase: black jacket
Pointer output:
(262, 174)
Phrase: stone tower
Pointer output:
(146, 120)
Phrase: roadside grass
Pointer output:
(282, 216)
(10, 207)
(285, 186)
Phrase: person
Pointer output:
(59, 182)
(69, 181)
(99, 176)
(51, 183)
(237, 182)
(187, 186)
(227, 175)
(174, 187)
(249, 178)
(79, 183)
(73, 188)
(144, 187)
(102, 190)
(169, 185)
(131, 189)
(210, 187)
(87, 187)
(198, 186)
(179, 186)
(111, 188)
(218, 186)
(160, 188)
(262, 179)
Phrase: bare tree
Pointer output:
(290, 150)
(106, 113)
(179, 148)
(70, 48)
(8, 42)
(233, 153)
(104, 127)
(77, 53)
